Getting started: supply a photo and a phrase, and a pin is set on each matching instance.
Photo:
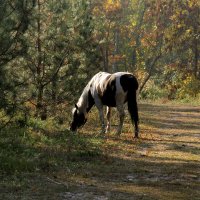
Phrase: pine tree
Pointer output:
(14, 21)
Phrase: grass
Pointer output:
(46, 161)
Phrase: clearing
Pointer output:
(163, 164)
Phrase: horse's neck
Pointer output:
(83, 102)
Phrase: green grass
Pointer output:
(33, 149)
(188, 100)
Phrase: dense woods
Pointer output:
(49, 49)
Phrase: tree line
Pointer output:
(50, 49)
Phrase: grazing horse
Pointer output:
(111, 90)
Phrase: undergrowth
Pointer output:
(188, 100)
(42, 146)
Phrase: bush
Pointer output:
(190, 88)
(153, 92)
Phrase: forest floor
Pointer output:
(163, 164)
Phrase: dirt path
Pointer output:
(163, 164)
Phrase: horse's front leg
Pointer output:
(120, 109)
(101, 116)
(108, 112)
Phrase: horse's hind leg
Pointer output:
(120, 109)
(108, 112)
(133, 110)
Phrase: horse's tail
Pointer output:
(132, 102)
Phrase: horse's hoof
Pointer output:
(107, 131)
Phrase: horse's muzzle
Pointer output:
(72, 127)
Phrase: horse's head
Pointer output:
(78, 119)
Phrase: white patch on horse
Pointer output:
(120, 95)
(73, 110)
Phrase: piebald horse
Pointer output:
(111, 90)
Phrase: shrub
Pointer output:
(190, 88)
(153, 92)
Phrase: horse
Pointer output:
(111, 90)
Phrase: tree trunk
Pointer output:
(104, 53)
(54, 92)
(106, 68)
(151, 68)
(195, 62)
(144, 82)
(137, 35)
(41, 110)
(116, 50)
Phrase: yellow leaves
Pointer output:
(30, 105)
(189, 31)
(179, 26)
(96, 11)
(112, 5)
(190, 86)
(187, 80)
(149, 40)
(192, 3)
(116, 58)
(173, 17)
(132, 43)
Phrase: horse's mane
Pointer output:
(83, 100)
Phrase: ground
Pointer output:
(163, 164)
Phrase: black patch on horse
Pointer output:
(90, 101)
(130, 84)
(109, 90)
(128, 81)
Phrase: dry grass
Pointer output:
(163, 164)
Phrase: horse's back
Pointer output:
(111, 89)
(100, 75)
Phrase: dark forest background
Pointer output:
(50, 49)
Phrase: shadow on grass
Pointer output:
(49, 164)
(24, 150)
(139, 178)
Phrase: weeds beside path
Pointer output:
(163, 164)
